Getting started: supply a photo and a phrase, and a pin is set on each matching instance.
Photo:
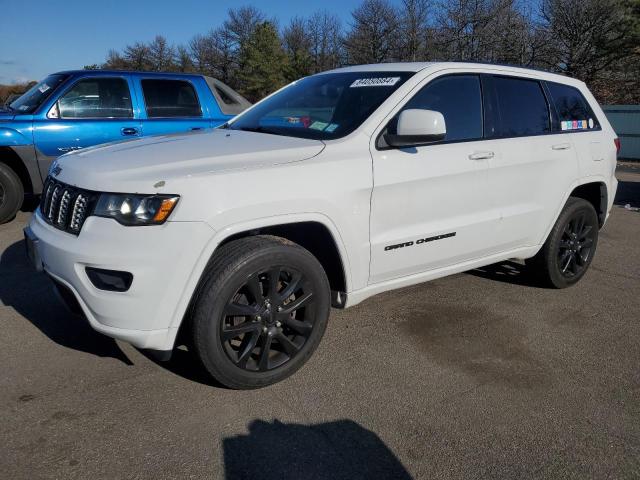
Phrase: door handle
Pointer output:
(562, 146)
(129, 131)
(481, 155)
(195, 129)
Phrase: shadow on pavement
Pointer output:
(336, 450)
(628, 193)
(31, 295)
(507, 272)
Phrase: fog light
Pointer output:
(110, 280)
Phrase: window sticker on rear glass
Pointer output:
(43, 88)
(331, 128)
(375, 82)
(576, 124)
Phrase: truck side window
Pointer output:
(573, 109)
(521, 108)
(170, 98)
(458, 98)
(97, 98)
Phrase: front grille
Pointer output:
(65, 207)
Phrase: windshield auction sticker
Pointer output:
(375, 82)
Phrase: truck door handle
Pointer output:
(481, 155)
(562, 146)
(129, 131)
(195, 129)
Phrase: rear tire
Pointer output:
(260, 312)
(11, 193)
(570, 246)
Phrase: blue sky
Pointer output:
(38, 37)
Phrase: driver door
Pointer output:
(430, 204)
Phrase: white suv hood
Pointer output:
(136, 165)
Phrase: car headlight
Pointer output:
(135, 209)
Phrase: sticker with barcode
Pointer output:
(375, 82)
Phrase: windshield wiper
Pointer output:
(261, 129)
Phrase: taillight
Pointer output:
(617, 142)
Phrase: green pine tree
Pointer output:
(263, 63)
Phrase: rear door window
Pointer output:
(165, 98)
(574, 112)
(95, 97)
(520, 108)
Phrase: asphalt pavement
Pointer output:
(478, 375)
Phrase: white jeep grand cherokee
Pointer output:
(337, 187)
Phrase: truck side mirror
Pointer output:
(417, 127)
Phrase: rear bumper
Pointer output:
(161, 259)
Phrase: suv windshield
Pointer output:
(323, 107)
(37, 94)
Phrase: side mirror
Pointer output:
(416, 127)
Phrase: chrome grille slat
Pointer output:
(65, 207)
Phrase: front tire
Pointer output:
(570, 247)
(261, 311)
(11, 193)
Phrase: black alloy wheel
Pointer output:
(570, 247)
(260, 311)
(268, 320)
(576, 245)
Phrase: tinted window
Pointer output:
(573, 110)
(521, 108)
(459, 100)
(97, 98)
(170, 98)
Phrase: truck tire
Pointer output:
(11, 193)
(570, 247)
(260, 312)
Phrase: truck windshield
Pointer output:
(323, 107)
(37, 94)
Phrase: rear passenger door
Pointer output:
(170, 105)
(532, 166)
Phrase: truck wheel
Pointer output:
(261, 311)
(11, 193)
(570, 247)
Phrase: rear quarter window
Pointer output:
(229, 101)
(573, 110)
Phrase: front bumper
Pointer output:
(161, 258)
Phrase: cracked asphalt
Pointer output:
(478, 375)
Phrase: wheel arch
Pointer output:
(594, 192)
(315, 237)
(10, 158)
(285, 226)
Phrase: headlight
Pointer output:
(136, 209)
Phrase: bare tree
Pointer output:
(161, 54)
(138, 56)
(414, 17)
(325, 33)
(183, 63)
(589, 36)
(242, 22)
(374, 35)
(297, 45)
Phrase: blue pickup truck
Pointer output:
(71, 110)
